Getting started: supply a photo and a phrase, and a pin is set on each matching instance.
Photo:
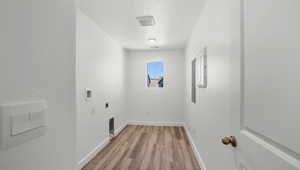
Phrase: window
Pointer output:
(155, 75)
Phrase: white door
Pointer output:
(266, 112)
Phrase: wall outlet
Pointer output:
(242, 167)
(193, 131)
(93, 111)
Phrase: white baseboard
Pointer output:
(120, 129)
(150, 123)
(98, 148)
(93, 153)
(195, 150)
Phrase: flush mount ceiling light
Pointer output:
(146, 20)
(152, 40)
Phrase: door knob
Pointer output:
(230, 140)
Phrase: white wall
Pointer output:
(37, 61)
(155, 104)
(209, 119)
(100, 67)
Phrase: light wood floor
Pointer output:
(147, 148)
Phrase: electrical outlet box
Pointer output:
(88, 94)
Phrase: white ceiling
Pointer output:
(174, 20)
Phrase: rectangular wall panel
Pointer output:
(272, 67)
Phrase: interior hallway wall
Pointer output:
(37, 61)
(100, 67)
(209, 119)
(155, 104)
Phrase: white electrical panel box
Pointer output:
(21, 122)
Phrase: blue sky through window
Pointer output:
(155, 70)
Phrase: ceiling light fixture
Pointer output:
(146, 20)
(152, 40)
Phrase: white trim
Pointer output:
(195, 150)
(98, 148)
(93, 153)
(120, 129)
(276, 151)
(150, 123)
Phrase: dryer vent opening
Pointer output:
(112, 127)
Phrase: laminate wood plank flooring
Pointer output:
(147, 148)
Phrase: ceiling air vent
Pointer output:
(146, 20)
